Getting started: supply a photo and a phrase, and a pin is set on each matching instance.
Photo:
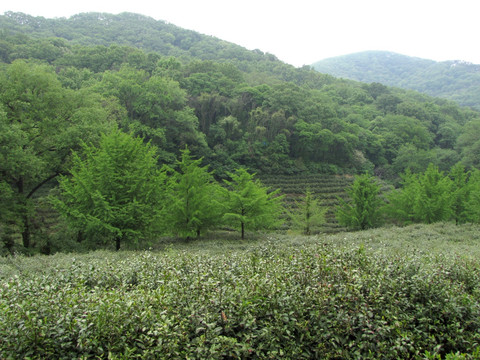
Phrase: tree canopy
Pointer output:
(114, 192)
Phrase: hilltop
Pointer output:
(454, 80)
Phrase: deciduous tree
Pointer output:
(114, 192)
(40, 123)
(309, 214)
(192, 203)
(248, 204)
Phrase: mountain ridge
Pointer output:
(456, 80)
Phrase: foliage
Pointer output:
(192, 203)
(179, 86)
(472, 203)
(362, 211)
(434, 201)
(173, 87)
(427, 197)
(309, 215)
(376, 294)
(248, 204)
(460, 192)
(40, 122)
(114, 191)
(400, 202)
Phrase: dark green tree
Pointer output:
(468, 143)
(248, 203)
(363, 209)
(115, 191)
(40, 123)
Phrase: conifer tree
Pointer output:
(192, 204)
(309, 214)
(362, 211)
(248, 204)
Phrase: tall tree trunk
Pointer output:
(243, 223)
(26, 235)
(9, 236)
(117, 243)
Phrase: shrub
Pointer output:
(304, 298)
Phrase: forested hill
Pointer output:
(142, 32)
(454, 80)
(232, 106)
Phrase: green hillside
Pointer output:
(65, 82)
(453, 80)
(133, 30)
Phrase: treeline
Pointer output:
(233, 117)
(117, 192)
(427, 197)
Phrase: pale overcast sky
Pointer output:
(304, 31)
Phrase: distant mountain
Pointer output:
(454, 80)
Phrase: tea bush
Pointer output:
(334, 297)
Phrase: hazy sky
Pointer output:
(304, 31)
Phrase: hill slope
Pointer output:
(236, 107)
(129, 29)
(453, 80)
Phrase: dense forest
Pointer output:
(66, 82)
(454, 80)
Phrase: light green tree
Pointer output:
(309, 214)
(427, 198)
(399, 207)
(472, 205)
(434, 197)
(192, 205)
(460, 192)
(248, 204)
(115, 191)
(363, 208)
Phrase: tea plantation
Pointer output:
(324, 187)
(395, 293)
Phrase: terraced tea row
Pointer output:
(326, 188)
